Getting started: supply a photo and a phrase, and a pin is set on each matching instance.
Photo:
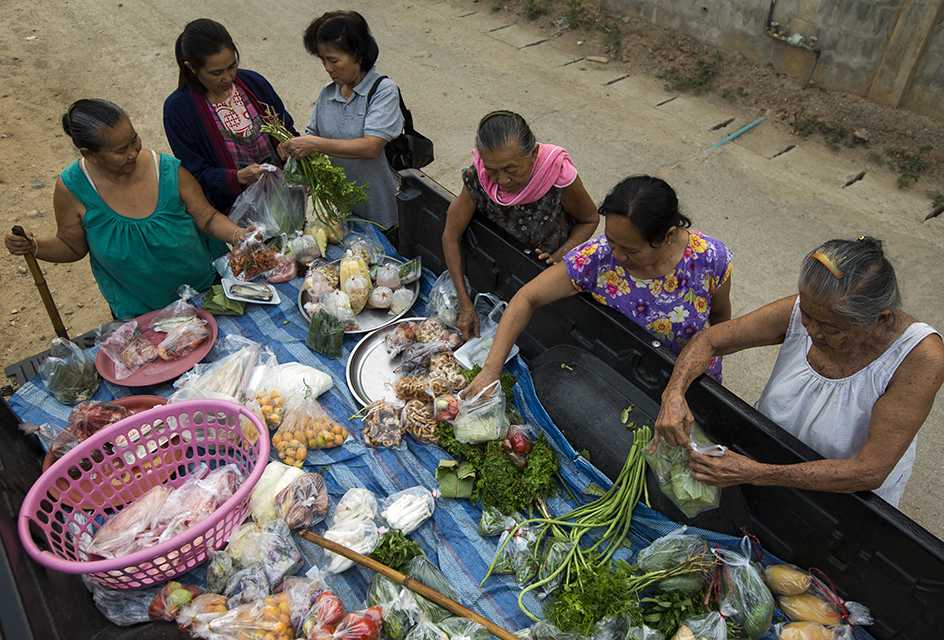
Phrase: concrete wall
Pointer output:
(889, 50)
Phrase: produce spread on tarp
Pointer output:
(480, 497)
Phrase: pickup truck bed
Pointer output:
(874, 553)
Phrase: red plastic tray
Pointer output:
(158, 371)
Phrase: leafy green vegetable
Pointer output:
(599, 592)
(666, 611)
(333, 195)
(396, 550)
(218, 304)
(471, 453)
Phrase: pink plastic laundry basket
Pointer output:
(119, 464)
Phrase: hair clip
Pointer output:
(827, 262)
(860, 238)
(499, 112)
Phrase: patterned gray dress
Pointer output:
(542, 225)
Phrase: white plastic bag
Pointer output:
(400, 301)
(275, 477)
(444, 300)
(357, 505)
(474, 352)
(360, 536)
(388, 275)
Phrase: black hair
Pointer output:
(650, 203)
(199, 40)
(866, 284)
(86, 118)
(347, 31)
(499, 128)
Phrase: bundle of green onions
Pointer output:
(608, 518)
(333, 195)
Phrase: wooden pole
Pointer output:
(40, 281)
(413, 585)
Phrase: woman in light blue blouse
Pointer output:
(356, 115)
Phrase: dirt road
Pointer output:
(454, 62)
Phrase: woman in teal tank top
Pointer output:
(140, 217)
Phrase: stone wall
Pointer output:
(889, 50)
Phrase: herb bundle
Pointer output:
(332, 194)
(396, 550)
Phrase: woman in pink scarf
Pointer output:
(530, 190)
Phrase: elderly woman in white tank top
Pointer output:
(855, 378)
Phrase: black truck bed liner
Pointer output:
(874, 553)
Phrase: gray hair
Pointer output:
(86, 118)
(854, 276)
(499, 128)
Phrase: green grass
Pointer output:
(534, 9)
(834, 134)
(696, 80)
(909, 165)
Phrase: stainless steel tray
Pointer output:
(370, 374)
(368, 319)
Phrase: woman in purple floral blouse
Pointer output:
(649, 265)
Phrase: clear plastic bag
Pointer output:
(787, 580)
(270, 546)
(128, 350)
(358, 290)
(317, 284)
(670, 551)
(246, 585)
(194, 501)
(517, 556)
(258, 619)
(388, 275)
(285, 270)
(303, 247)
(123, 607)
(361, 537)
(557, 552)
(356, 505)
(197, 615)
(401, 301)
(380, 298)
(746, 599)
(545, 631)
(306, 426)
(303, 503)
(812, 631)
(402, 336)
(219, 570)
(182, 339)
(642, 632)
(482, 418)
(411, 271)
(417, 420)
(400, 611)
(326, 333)
(130, 529)
(359, 625)
(444, 300)
(670, 466)
(366, 248)
(382, 425)
(168, 601)
(330, 271)
(54, 439)
(227, 378)
(427, 631)
(432, 330)
(271, 205)
(407, 510)
(89, 417)
(325, 614)
(251, 257)
(493, 522)
(302, 592)
(490, 309)
(710, 626)
(463, 629)
(518, 443)
(178, 312)
(613, 629)
(275, 477)
(445, 408)
(415, 359)
(420, 568)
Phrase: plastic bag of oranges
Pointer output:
(272, 405)
(305, 426)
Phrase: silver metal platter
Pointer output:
(368, 319)
(370, 371)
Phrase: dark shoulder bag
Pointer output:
(411, 149)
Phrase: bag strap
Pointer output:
(407, 116)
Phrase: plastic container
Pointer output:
(123, 461)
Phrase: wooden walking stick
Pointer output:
(413, 585)
(40, 281)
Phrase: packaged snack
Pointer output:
(380, 298)
(169, 600)
(402, 336)
(353, 264)
(382, 425)
(357, 288)
(251, 258)
(304, 502)
(317, 283)
(432, 330)
(416, 358)
(128, 349)
(285, 269)
(331, 272)
(412, 388)
(304, 247)
(364, 247)
(275, 477)
(411, 271)
(388, 275)
(417, 420)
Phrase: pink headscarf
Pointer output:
(552, 168)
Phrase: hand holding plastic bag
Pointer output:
(482, 418)
(271, 205)
(444, 300)
(670, 466)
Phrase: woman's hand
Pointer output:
(19, 245)
(549, 258)
(486, 377)
(248, 175)
(300, 147)
(468, 322)
(723, 471)
(675, 420)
